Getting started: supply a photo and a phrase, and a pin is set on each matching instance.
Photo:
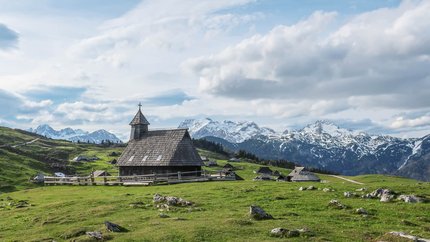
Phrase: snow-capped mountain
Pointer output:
(322, 145)
(235, 132)
(75, 135)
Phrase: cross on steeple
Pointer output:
(139, 125)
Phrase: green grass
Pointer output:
(220, 213)
(19, 164)
(63, 213)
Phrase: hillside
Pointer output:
(24, 154)
(219, 213)
(322, 145)
(65, 213)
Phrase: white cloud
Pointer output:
(372, 66)
(403, 122)
(379, 55)
(41, 104)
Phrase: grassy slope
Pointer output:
(18, 164)
(221, 214)
(222, 206)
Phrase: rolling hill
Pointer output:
(219, 213)
(24, 154)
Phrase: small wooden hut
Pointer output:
(299, 174)
(264, 170)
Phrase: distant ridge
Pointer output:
(75, 135)
(322, 145)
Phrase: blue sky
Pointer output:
(280, 63)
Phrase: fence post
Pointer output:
(179, 175)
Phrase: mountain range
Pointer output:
(75, 135)
(322, 145)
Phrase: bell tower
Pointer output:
(139, 125)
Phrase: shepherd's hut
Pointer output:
(299, 174)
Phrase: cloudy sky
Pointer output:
(364, 64)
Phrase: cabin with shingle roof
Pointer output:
(158, 151)
(300, 174)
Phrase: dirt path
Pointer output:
(25, 143)
(346, 179)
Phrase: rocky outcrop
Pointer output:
(258, 213)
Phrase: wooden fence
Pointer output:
(165, 178)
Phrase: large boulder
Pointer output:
(387, 196)
(406, 236)
(328, 190)
(170, 200)
(361, 211)
(410, 198)
(258, 213)
(282, 232)
(278, 232)
(114, 227)
(96, 234)
(336, 204)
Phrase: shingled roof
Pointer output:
(300, 174)
(139, 118)
(161, 148)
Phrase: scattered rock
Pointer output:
(163, 215)
(158, 198)
(305, 232)
(172, 201)
(293, 233)
(407, 236)
(258, 213)
(386, 196)
(410, 199)
(336, 204)
(283, 232)
(311, 188)
(328, 190)
(113, 227)
(361, 211)
(96, 234)
(278, 232)
(302, 188)
(349, 194)
(163, 207)
(361, 189)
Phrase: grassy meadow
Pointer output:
(220, 213)
(62, 213)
